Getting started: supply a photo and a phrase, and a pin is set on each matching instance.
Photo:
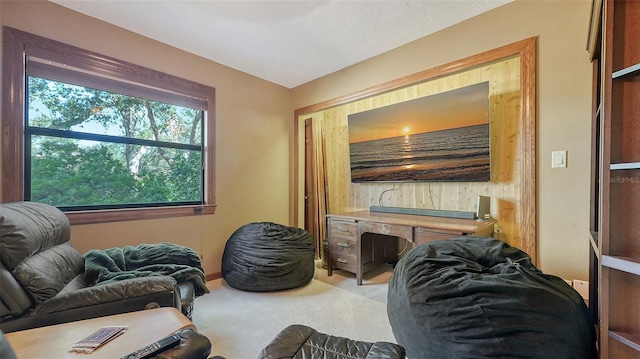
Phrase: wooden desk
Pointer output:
(145, 327)
(348, 251)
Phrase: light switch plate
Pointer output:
(558, 159)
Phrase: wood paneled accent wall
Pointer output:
(510, 72)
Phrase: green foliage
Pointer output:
(73, 172)
(66, 174)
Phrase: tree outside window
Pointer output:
(91, 148)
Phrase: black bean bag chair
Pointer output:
(473, 297)
(265, 256)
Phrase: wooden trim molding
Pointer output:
(526, 50)
(12, 105)
(528, 76)
(595, 24)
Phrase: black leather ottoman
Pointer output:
(193, 345)
(302, 342)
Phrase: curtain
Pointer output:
(320, 183)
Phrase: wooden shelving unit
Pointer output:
(614, 46)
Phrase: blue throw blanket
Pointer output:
(161, 259)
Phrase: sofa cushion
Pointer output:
(45, 273)
(27, 228)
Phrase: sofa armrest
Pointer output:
(110, 292)
(301, 341)
(192, 345)
(288, 342)
(386, 350)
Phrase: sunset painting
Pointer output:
(442, 137)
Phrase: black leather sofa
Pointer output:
(43, 280)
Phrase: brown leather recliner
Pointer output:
(43, 281)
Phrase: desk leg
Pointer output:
(329, 262)
(359, 259)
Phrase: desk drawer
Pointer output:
(341, 245)
(345, 262)
(396, 230)
(424, 235)
(343, 229)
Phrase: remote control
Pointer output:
(157, 347)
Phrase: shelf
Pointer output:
(625, 166)
(625, 264)
(615, 178)
(629, 71)
(628, 339)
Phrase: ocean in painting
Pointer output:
(459, 154)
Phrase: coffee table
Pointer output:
(145, 327)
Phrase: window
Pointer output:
(102, 139)
(92, 149)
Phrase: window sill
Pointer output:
(133, 214)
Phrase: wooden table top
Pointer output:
(144, 327)
(465, 225)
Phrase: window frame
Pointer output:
(17, 45)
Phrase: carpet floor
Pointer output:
(239, 323)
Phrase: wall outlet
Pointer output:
(582, 287)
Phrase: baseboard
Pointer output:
(213, 276)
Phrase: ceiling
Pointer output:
(286, 42)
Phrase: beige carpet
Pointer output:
(239, 324)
